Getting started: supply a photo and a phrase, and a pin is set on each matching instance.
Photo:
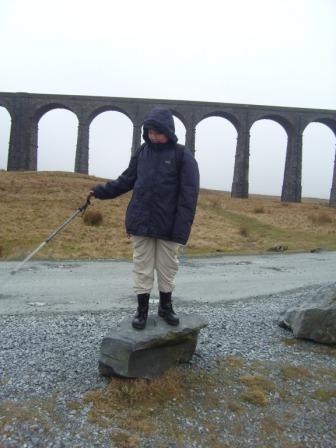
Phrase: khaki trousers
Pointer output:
(151, 254)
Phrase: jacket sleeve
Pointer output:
(187, 198)
(123, 184)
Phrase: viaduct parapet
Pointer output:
(26, 109)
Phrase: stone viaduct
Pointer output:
(26, 110)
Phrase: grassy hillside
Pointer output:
(33, 204)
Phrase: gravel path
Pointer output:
(48, 362)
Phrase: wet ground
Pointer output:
(69, 286)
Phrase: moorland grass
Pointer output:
(33, 204)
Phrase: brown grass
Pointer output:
(255, 396)
(294, 372)
(257, 381)
(231, 385)
(136, 405)
(92, 218)
(34, 411)
(302, 344)
(132, 410)
(244, 231)
(233, 361)
(235, 407)
(33, 204)
(257, 389)
(270, 425)
(259, 209)
(123, 440)
(321, 218)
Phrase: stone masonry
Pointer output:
(26, 109)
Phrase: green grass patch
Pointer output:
(290, 372)
(324, 395)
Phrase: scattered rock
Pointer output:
(315, 320)
(148, 353)
(278, 248)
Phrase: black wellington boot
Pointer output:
(166, 309)
(140, 319)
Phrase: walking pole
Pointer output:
(80, 209)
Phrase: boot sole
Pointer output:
(138, 326)
(169, 322)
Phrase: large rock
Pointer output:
(315, 320)
(147, 353)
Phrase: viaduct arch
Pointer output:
(26, 109)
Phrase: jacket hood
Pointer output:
(162, 120)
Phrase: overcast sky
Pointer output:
(270, 52)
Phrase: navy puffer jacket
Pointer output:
(165, 183)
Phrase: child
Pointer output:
(165, 181)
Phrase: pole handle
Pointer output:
(83, 207)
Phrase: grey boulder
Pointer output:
(147, 353)
(315, 320)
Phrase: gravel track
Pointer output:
(48, 361)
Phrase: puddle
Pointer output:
(274, 268)
(5, 296)
(36, 303)
(61, 266)
(215, 264)
(17, 270)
